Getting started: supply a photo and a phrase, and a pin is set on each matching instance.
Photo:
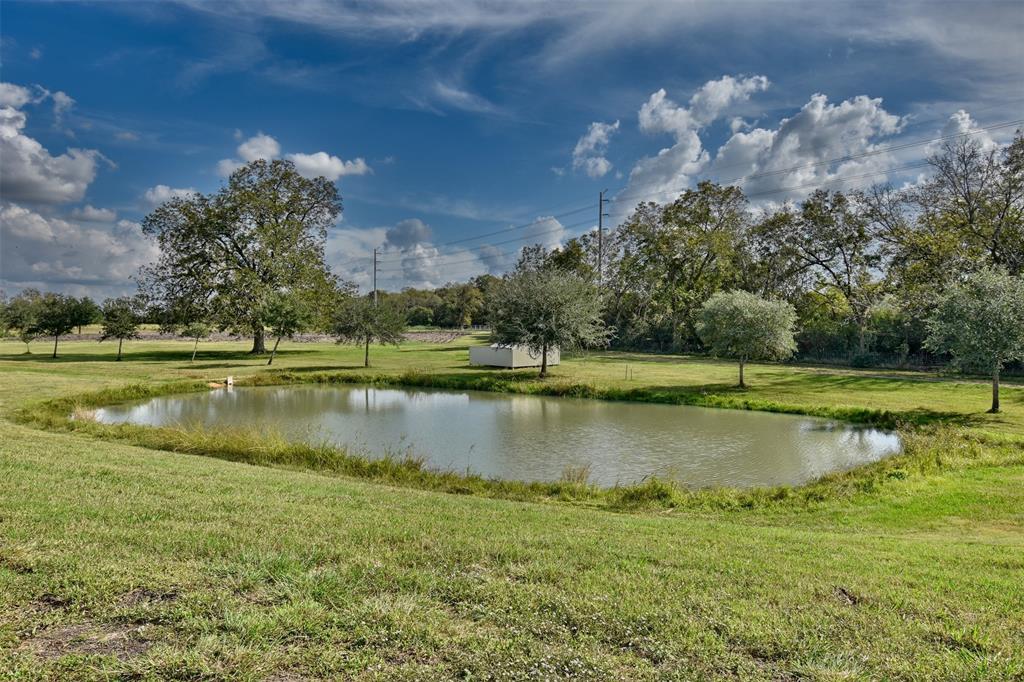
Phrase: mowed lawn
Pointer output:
(122, 562)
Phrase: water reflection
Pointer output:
(538, 438)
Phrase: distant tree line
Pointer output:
(861, 277)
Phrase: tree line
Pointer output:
(857, 274)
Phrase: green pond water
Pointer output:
(535, 438)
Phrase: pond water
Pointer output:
(535, 438)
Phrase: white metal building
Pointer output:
(512, 357)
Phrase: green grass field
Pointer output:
(125, 562)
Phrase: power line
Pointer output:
(780, 190)
(752, 176)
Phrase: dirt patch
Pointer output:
(143, 596)
(845, 596)
(48, 602)
(95, 639)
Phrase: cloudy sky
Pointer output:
(459, 131)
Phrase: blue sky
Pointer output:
(447, 121)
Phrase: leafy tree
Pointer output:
(85, 312)
(56, 317)
(287, 315)
(359, 320)
(578, 256)
(462, 302)
(196, 330)
(21, 313)
(672, 258)
(833, 241)
(121, 317)
(745, 327)
(980, 322)
(544, 309)
(263, 232)
(421, 316)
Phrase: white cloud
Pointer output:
(407, 233)
(460, 98)
(327, 165)
(62, 104)
(15, 96)
(588, 154)
(61, 254)
(92, 214)
(226, 167)
(960, 123)
(259, 146)
(127, 136)
(263, 146)
(673, 167)
(798, 151)
(29, 172)
(161, 193)
(545, 230)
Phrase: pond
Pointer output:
(536, 438)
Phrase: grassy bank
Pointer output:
(119, 558)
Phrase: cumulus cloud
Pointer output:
(29, 172)
(263, 146)
(797, 153)
(161, 193)
(92, 214)
(407, 233)
(259, 146)
(961, 123)
(63, 254)
(15, 96)
(545, 230)
(588, 155)
(674, 166)
(327, 165)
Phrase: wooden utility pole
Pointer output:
(600, 237)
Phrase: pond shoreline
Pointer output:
(527, 438)
(926, 446)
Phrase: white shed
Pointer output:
(513, 357)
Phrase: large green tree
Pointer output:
(265, 231)
(980, 322)
(670, 259)
(833, 241)
(546, 308)
(746, 327)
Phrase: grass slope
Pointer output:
(122, 561)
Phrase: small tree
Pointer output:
(85, 311)
(546, 308)
(196, 330)
(121, 320)
(56, 317)
(980, 322)
(745, 327)
(20, 315)
(287, 315)
(361, 321)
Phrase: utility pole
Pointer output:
(375, 277)
(600, 237)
